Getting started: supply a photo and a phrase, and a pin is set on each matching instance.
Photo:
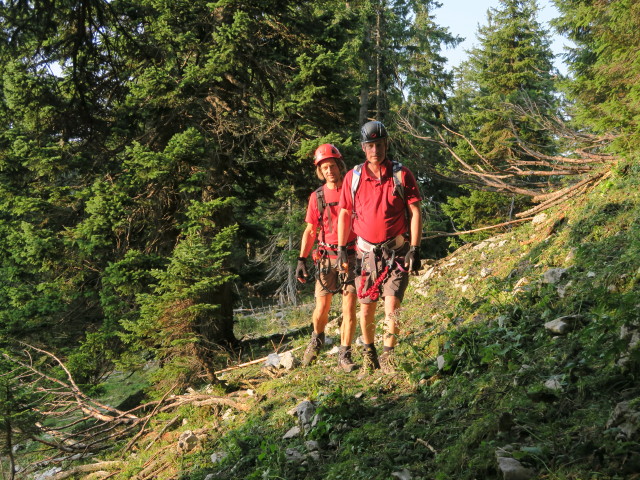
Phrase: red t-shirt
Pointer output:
(329, 216)
(379, 214)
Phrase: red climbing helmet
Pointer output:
(324, 151)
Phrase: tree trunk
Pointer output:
(364, 104)
(9, 444)
(378, 65)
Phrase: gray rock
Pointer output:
(553, 384)
(305, 411)
(512, 469)
(292, 433)
(294, 456)
(187, 441)
(273, 360)
(218, 457)
(288, 361)
(554, 275)
(626, 420)
(312, 445)
(563, 325)
(557, 326)
(563, 289)
(404, 474)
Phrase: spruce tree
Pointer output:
(604, 66)
(511, 65)
(129, 128)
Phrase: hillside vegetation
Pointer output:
(480, 373)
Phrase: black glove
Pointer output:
(342, 260)
(412, 260)
(301, 270)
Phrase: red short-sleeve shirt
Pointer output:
(379, 214)
(329, 217)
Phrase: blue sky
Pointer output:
(464, 16)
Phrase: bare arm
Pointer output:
(308, 239)
(415, 226)
(344, 226)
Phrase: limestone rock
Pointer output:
(512, 469)
(563, 325)
(626, 420)
(554, 275)
(292, 433)
(218, 457)
(187, 441)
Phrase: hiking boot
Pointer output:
(388, 362)
(344, 359)
(313, 348)
(369, 361)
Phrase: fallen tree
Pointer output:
(75, 426)
(547, 180)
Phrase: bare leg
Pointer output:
(391, 306)
(348, 327)
(368, 321)
(321, 313)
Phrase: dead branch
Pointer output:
(167, 426)
(203, 400)
(252, 362)
(564, 195)
(144, 425)
(586, 160)
(91, 467)
(451, 234)
(83, 425)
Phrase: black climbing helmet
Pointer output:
(372, 131)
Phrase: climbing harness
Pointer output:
(381, 251)
(323, 266)
(325, 249)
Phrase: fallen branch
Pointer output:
(451, 234)
(252, 362)
(426, 444)
(91, 467)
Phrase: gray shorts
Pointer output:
(395, 282)
(327, 283)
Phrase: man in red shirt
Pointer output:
(322, 225)
(383, 209)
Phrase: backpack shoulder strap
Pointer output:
(355, 181)
(397, 178)
(321, 203)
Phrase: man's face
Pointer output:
(376, 151)
(330, 170)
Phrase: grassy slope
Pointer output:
(448, 424)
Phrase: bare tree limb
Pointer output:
(586, 161)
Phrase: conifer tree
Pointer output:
(511, 65)
(604, 65)
(129, 127)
